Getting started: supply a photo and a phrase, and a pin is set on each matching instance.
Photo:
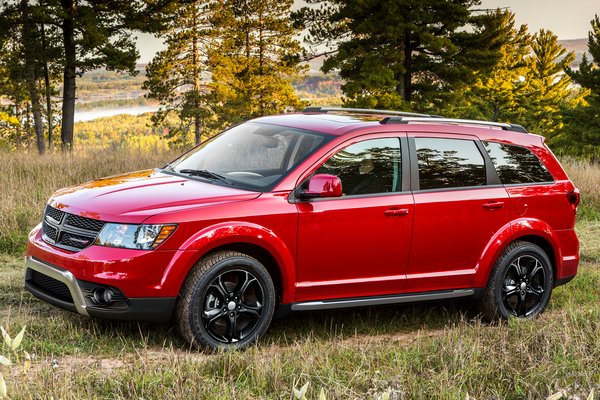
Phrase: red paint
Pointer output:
(326, 248)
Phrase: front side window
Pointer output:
(516, 164)
(367, 167)
(449, 163)
(251, 155)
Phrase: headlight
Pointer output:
(141, 237)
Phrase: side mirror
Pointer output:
(322, 185)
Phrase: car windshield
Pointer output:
(251, 156)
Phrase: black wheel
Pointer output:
(227, 301)
(520, 284)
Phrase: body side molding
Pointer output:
(381, 300)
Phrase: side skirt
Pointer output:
(381, 300)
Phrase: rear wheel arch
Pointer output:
(544, 244)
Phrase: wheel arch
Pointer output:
(525, 229)
(545, 245)
(259, 253)
(251, 239)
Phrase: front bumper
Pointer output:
(60, 288)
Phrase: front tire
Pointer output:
(227, 301)
(520, 284)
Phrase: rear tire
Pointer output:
(520, 284)
(227, 301)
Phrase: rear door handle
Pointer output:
(396, 212)
(493, 205)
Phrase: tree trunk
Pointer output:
(48, 91)
(31, 76)
(18, 128)
(69, 76)
(196, 69)
(404, 79)
(261, 61)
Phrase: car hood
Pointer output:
(135, 196)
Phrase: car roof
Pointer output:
(340, 123)
(332, 124)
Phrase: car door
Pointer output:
(459, 206)
(357, 244)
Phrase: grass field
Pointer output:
(437, 350)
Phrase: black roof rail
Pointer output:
(406, 120)
(366, 111)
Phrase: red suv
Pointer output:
(328, 208)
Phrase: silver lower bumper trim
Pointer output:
(377, 301)
(63, 276)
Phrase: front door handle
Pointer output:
(493, 205)
(396, 212)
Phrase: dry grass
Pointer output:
(27, 181)
(433, 351)
(586, 177)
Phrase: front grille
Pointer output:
(52, 286)
(50, 231)
(84, 223)
(77, 241)
(54, 214)
(69, 231)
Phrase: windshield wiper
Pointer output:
(206, 174)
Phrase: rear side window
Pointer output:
(449, 163)
(516, 164)
(367, 167)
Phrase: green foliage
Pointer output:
(549, 88)
(582, 134)
(256, 61)
(174, 77)
(528, 85)
(224, 62)
(403, 54)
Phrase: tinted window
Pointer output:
(516, 164)
(252, 155)
(447, 163)
(371, 166)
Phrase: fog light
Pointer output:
(103, 296)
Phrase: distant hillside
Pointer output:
(578, 46)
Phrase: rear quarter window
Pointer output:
(516, 164)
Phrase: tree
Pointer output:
(175, 76)
(257, 58)
(403, 54)
(583, 130)
(97, 34)
(549, 87)
(30, 43)
(499, 94)
(18, 59)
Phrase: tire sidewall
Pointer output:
(524, 250)
(199, 292)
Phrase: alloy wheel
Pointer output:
(523, 286)
(232, 306)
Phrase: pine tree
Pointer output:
(256, 60)
(176, 76)
(98, 34)
(549, 87)
(583, 131)
(499, 94)
(403, 54)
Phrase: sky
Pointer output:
(569, 19)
